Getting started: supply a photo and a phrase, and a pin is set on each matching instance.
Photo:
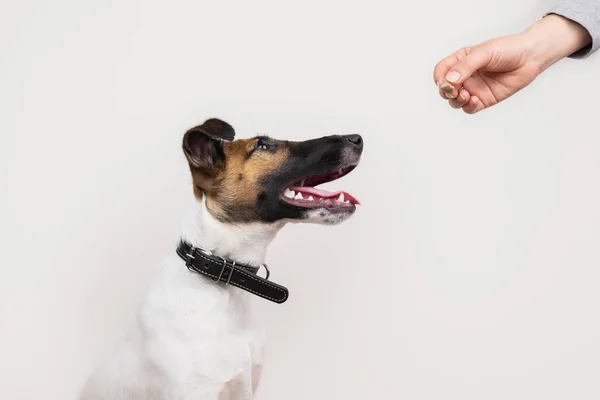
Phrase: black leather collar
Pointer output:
(245, 277)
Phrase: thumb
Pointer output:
(476, 58)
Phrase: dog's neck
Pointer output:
(244, 243)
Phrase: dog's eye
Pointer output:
(262, 145)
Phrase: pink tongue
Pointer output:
(325, 194)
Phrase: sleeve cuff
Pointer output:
(586, 14)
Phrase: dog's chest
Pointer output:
(200, 334)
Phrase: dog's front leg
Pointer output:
(256, 374)
(237, 389)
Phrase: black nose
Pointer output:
(356, 140)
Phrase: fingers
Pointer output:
(460, 100)
(473, 106)
(477, 58)
(443, 67)
(447, 89)
(451, 73)
(469, 104)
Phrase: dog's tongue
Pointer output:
(326, 194)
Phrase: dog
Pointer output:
(194, 336)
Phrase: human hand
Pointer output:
(478, 77)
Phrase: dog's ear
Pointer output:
(203, 151)
(203, 144)
(218, 129)
(203, 148)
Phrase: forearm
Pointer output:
(554, 38)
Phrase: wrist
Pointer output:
(554, 38)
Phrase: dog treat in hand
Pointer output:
(447, 89)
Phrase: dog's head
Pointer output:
(267, 180)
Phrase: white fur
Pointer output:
(192, 338)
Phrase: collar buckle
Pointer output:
(189, 256)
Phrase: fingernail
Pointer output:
(449, 95)
(461, 96)
(453, 76)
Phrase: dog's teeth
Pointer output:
(341, 198)
(289, 193)
(310, 198)
(347, 201)
(341, 171)
(298, 196)
(302, 183)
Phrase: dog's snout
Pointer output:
(356, 140)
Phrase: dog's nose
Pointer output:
(356, 140)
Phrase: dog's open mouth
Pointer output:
(303, 193)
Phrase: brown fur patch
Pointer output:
(233, 190)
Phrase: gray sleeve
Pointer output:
(587, 14)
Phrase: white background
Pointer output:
(470, 272)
